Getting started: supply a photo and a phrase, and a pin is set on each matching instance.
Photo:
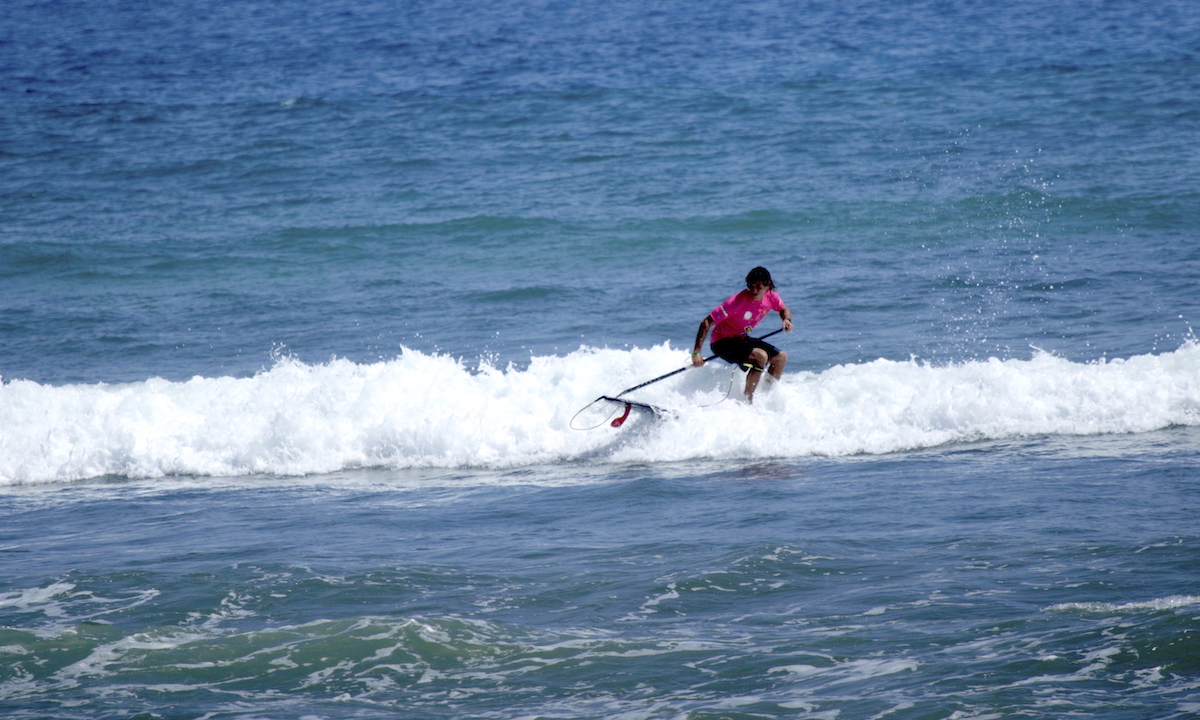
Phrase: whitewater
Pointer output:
(429, 410)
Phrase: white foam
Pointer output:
(62, 606)
(432, 411)
(36, 598)
(852, 671)
(1158, 604)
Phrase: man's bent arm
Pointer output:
(701, 334)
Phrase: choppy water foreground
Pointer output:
(1040, 577)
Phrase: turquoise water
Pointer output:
(299, 302)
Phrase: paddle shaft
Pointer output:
(676, 372)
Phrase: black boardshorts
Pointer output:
(737, 349)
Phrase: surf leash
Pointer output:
(630, 405)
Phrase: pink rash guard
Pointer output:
(741, 313)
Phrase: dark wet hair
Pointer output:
(759, 275)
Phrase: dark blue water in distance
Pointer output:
(299, 301)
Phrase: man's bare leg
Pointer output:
(758, 359)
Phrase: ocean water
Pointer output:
(299, 303)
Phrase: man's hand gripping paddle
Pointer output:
(630, 405)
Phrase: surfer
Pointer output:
(731, 323)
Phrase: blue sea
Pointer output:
(300, 301)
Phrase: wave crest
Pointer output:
(432, 411)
